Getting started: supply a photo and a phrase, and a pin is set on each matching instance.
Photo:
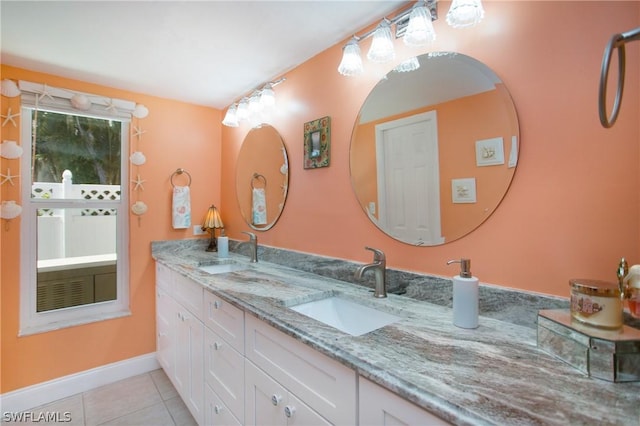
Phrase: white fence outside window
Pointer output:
(75, 232)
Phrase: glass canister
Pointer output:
(597, 303)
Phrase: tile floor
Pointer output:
(145, 400)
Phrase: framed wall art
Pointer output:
(489, 152)
(317, 143)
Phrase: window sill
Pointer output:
(58, 325)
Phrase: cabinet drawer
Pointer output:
(189, 294)
(378, 406)
(216, 413)
(163, 277)
(324, 384)
(224, 372)
(224, 319)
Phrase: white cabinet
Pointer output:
(269, 403)
(378, 406)
(165, 329)
(180, 337)
(322, 383)
(189, 363)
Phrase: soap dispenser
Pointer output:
(465, 296)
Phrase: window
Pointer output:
(75, 215)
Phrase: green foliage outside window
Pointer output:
(88, 147)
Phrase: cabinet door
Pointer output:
(189, 294)
(189, 363)
(378, 406)
(216, 412)
(165, 326)
(224, 372)
(269, 403)
(265, 399)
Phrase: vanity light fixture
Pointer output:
(211, 222)
(410, 64)
(414, 25)
(248, 108)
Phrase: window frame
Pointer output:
(32, 321)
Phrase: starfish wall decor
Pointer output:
(9, 118)
(8, 177)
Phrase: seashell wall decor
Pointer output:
(10, 150)
(138, 158)
(10, 210)
(10, 88)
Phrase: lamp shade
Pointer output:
(465, 13)
(381, 49)
(230, 118)
(351, 63)
(267, 96)
(420, 28)
(212, 219)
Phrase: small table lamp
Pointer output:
(211, 221)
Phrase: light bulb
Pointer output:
(420, 28)
(465, 13)
(254, 102)
(381, 49)
(351, 63)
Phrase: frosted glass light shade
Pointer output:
(268, 97)
(242, 113)
(381, 49)
(254, 103)
(230, 118)
(465, 13)
(351, 63)
(420, 28)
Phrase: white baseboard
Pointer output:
(46, 392)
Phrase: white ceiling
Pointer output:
(202, 52)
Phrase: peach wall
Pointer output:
(177, 135)
(572, 209)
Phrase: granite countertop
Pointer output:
(493, 375)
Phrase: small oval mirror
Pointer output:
(434, 150)
(262, 177)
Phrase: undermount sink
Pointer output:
(222, 266)
(345, 315)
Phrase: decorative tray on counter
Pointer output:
(612, 355)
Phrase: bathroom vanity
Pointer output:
(238, 354)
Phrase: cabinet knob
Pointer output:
(217, 345)
(275, 399)
(289, 410)
(217, 304)
(217, 409)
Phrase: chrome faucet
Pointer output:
(253, 243)
(379, 267)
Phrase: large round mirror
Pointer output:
(262, 177)
(434, 150)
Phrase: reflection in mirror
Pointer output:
(262, 177)
(433, 151)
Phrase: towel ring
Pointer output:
(179, 172)
(257, 176)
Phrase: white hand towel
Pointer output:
(259, 211)
(181, 209)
